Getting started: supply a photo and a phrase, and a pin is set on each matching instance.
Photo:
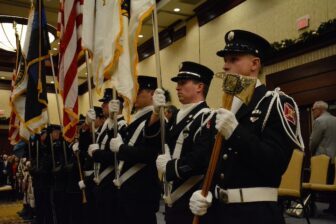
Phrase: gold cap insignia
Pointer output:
(231, 36)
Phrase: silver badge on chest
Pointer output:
(255, 115)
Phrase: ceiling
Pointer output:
(166, 17)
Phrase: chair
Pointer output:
(5, 192)
(290, 186)
(324, 187)
(318, 171)
(318, 176)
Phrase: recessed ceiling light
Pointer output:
(55, 48)
(177, 9)
(52, 82)
(2, 77)
(140, 36)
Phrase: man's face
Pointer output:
(144, 98)
(55, 134)
(105, 109)
(188, 90)
(243, 64)
(316, 112)
(43, 136)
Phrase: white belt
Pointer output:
(243, 195)
(88, 173)
(181, 190)
(128, 174)
(103, 174)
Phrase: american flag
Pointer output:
(14, 122)
(69, 28)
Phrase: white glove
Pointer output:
(92, 148)
(115, 143)
(159, 100)
(226, 122)
(81, 185)
(90, 116)
(161, 163)
(199, 204)
(114, 106)
(28, 164)
(75, 147)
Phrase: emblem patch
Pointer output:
(290, 113)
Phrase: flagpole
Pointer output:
(159, 80)
(115, 133)
(58, 107)
(96, 166)
(39, 74)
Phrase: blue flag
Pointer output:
(36, 96)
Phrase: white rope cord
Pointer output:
(212, 112)
(269, 107)
(295, 137)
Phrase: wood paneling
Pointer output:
(306, 84)
(309, 82)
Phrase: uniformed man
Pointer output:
(42, 178)
(105, 191)
(59, 172)
(75, 205)
(139, 185)
(84, 140)
(189, 138)
(259, 140)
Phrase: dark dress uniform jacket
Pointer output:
(105, 192)
(140, 194)
(194, 158)
(253, 157)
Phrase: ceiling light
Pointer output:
(52, 82)
(7, 32)
(2, 77)
(140, 36)
(177, 9)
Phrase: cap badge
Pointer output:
(231, 36)
(180, 66)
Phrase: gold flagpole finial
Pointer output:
(238, 85)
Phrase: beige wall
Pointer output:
(273, 19)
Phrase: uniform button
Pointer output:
(230, 149)
(225, 156)
(222, 176)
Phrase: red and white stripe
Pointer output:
(70, 23)
(14, 122)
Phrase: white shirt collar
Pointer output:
(237, 103)
(185, 109)
(142, 111)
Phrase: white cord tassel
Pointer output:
(295, 137)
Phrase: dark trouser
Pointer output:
(74, 208)
(89, 212)
(43, 206)
(106, 205)
(331, 177)
(132, 211)
(60, 206)
(181, 214)
(242, 213)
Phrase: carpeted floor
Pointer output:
(8, 213)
